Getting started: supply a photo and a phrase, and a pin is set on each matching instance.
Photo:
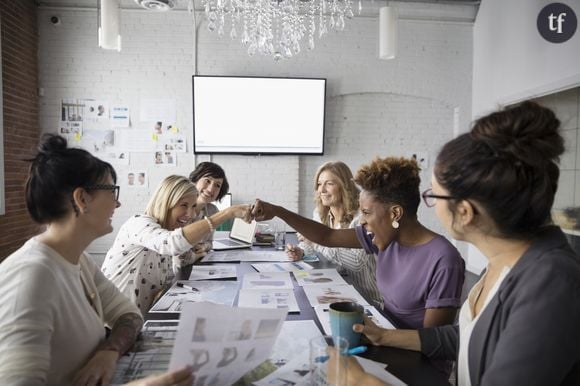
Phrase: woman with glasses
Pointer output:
(211, 183)
(494, 188)
(419, 273)
(150, 246)
(336, 198)
(54, 301)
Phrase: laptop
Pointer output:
(240, 236)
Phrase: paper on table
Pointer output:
(323, 277)
(221, 292)
(267, 280)
(324, 295)
(220, 353)
(269, 298)
(281, 267)
(217, 271)
(244, 255)
(378, 370)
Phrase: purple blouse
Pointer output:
(412, 279)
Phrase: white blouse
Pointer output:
(141, 259)
(467, 323)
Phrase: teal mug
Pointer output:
(343, 315)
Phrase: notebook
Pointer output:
(240, 236)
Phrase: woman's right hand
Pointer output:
(263, 210)
(243, 211)
(294, 252)
(182, 377)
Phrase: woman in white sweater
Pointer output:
(336, 199)
(54, 300)
(150, 246)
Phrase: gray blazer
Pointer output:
(529, 333)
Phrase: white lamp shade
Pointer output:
(109, 23)
(388, 32)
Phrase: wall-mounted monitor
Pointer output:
(258, 115)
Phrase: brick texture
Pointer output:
(21, 129)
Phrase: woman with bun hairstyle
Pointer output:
(419, 273)
(54, 300)
(151, 246)
(494, 188)
(336, 199)
(212, 184)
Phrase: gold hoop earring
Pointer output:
(395, 224)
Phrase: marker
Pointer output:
(349, 352)
(187, 287)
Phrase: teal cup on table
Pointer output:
(343, 315)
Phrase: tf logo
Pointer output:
(557, 23)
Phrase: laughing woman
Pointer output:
(150, 246)
(54, 300)
(419, 273)
(211, 183)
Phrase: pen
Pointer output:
(349, 352)
(187, 287)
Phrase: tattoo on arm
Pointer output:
(123, 334)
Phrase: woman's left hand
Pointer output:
(99, 369)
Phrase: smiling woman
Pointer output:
(151, 247)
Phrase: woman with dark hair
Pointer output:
(494, 188)
(419, 273)
(54, 301)
(212, 184)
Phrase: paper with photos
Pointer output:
(269, 298)
(267, 280)
(219, 292)
(324, 277)
(220, 353)
(324, 295)
(245, 255)
(217, 271)
(282, 267)
(323, 315)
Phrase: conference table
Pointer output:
(411, 367)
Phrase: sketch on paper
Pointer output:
(217, 271)
(265, 280)
(325, 277)
(282, 267)
(324, 295)
(223, 292)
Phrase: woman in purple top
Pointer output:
(419, 273)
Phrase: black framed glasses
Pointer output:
(113, 188)
(430, 199)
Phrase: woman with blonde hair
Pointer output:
(336, 199)
(150, 246)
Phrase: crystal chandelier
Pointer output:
(277, 27)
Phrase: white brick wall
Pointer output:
(374, 107)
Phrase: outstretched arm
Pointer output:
(312, 230)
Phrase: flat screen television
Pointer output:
(258, 115)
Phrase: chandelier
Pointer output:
(277, 27)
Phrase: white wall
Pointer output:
(374, 107)
(512, 62)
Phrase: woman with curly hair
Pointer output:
(419, 272)
(336, 198)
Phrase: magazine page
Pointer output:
(269, 298)
(190, 291)
(220, 353)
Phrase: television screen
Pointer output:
(252, 115)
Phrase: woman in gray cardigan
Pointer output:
(494, 188)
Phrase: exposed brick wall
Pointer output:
(21, 128)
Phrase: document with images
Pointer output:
(220, 353)
(190, 291)
(323, 315)
(324, 295)
(217, 271)
(282, 267)
(245, 255)
(267, 280)
(269, 298)
(325, 277)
